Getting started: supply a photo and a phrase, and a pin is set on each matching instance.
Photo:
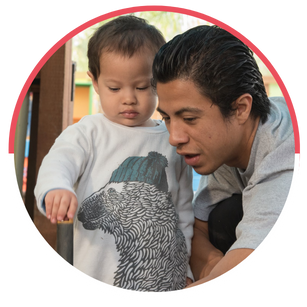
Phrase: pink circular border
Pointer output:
(142, 9)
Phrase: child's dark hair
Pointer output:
(125, 35)
(219, 64)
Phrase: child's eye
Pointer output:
(114, 89)
(142, 88)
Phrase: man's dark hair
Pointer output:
(219, 64)
(126, 35)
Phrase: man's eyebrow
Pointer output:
(183, 110)
(188, 110)
(160, 111)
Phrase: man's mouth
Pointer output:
(190, 159)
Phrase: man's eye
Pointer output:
(165, 118)
(189, 119)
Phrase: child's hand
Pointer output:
(60, 204)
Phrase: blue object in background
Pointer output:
(196, 178)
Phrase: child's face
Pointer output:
(124, 88)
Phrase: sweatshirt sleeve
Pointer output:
(185, 209)
(63, 165)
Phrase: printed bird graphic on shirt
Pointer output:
(137, 209)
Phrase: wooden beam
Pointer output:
(54, 115)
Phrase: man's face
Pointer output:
(197, 128)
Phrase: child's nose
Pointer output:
(129, 97)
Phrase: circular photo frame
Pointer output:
(49, 252)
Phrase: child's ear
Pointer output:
(95, 83)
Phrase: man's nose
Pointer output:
(177, 135)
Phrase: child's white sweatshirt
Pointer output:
(134, 222)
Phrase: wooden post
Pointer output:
(65, 240)
(54, 115)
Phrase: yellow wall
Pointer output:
(81, 102)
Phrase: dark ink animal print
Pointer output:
(144, 223)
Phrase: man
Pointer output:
(213, 101)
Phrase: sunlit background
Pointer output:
(86, 101)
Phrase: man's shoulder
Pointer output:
(278, 127)
(279, 118)
(273, 149)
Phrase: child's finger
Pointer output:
(48, 204)
(72, 207)
(55, 207)
(64, 204)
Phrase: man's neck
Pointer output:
(245, 149)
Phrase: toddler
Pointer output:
(131, 192)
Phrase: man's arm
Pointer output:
(204, 255)
(207, 262)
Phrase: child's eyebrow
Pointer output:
(111, 80)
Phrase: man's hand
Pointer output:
(229, 261)
(207, 262)
(189, 281)
(204, 255)
(60, 204)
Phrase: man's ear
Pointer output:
(95, 83)
(243, 106)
